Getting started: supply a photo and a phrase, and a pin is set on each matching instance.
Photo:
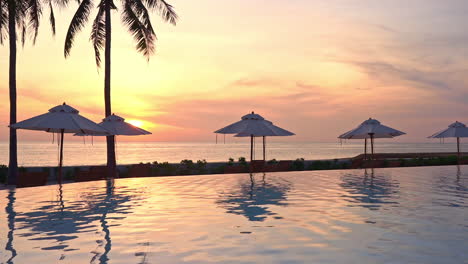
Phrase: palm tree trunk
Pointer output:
(111, 164)
(13, 159)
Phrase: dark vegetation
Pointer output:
(189, 167)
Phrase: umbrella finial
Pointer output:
(64, 103)
(253, 112)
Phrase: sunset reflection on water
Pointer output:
(329, 216)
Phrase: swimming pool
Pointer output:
(400, 215)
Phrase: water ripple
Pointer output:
(413, 215)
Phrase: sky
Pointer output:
(317, 68)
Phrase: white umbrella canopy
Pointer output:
(61, 119)
(117, 126)
(455, 130)
(263, 129)
(371, 128)
(254, 125)
(239, 126)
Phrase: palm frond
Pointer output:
(143, 37)
(3, 20)
(34, 12)
(166, 10)
(23, 34)
(20, 12)
(60, 3)
(77, 23)
(52, 17)
(143, 15)
(98, 34)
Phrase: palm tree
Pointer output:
(21, 15)
(135, 16)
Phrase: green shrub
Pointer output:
(452, 160)
(187, 163)
(431, 162)
(242, 161)
(411, 162)
(186, 167)
(298, 164)
(201, 163)
(345, 165)
(273, 161)
(323, 165)
(68, 175)
(166, 168)
(201, 166)
(230, 162)
(385, 163)
(219, 169)
(402, 162)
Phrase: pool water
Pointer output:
(400, 215)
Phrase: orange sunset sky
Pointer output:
(317, 68)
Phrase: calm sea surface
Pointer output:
(76, 153)
(399, 215)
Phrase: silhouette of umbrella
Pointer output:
(254, 125)
(62, 220)
(371, 191)
(252, 199)
(61, 119)
(116, 126)
(371, 128)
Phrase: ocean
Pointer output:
(78, 153)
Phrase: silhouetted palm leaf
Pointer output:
(143, 34)
(3, 20)
(135, 16)
(34, 12)
(23, 34)
(166, 10)
(52, 17)
(77, 23)
(98, 34)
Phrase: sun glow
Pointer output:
(137, 123)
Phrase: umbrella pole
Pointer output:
(458, 150)
(365, 149)
(263, 148)
(372, 145)
(59, 179)
(251, 147)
